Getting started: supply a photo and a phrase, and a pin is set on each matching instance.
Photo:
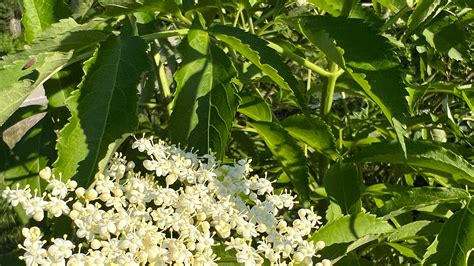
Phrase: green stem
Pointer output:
(184, 19)
(252, 30)
(300, 60)
(164, 34)
(328, 93)
(326, 104)
(236, 20)
(265, 27)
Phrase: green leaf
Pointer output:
(340, 233)
(314, 132)
(454, 243)
(17, 82)
(420, 197)
(103, 109)
(79, 8)
(205, 102)
(287, 151)
(120, 7)
(448, 37)
(415, 229)
(423, 155)
(334, 7)
(424, 11)
(255, 108)
(22, 72)
(408, 250)
(38, 15)
(367, 56)
(256, 50)
(342, 183)
(34, 152)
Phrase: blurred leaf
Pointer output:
(367, 56)
(454, 243)
(257, 51)
(414, 230)
(37, 15)
(287, 151)
(205, 102)
(34, 152)
(342, 183)
(314, 132)
(408, 250)
(334, 7)
(103, 109)
(448, 37)
(424, 10)
(340, 233)
(120, 7)
(79, 8)
(424, 155)
(420, 197)
(255, 108)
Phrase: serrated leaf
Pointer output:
(103, 109)
(447, 37)
(287, 151)
(205, 101)
(256, 50)
(17, 82)
(342, 183)
(424, 10)
(314, 132)
(415, 229)
(255, 108)
(420, 197)
(455, 242)
(34, 152)
(20, 73)
(38, 15)
(367, 56)
(340, 233)
(424, 155)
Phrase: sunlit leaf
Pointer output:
(257, 51)
(420, 197)
(103, 109)
(423, 155)
(455, 241)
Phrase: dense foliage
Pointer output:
(364, 110)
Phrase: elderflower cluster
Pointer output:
(181, 211)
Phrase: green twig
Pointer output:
(300, 60)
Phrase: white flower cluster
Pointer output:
(180, 212)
